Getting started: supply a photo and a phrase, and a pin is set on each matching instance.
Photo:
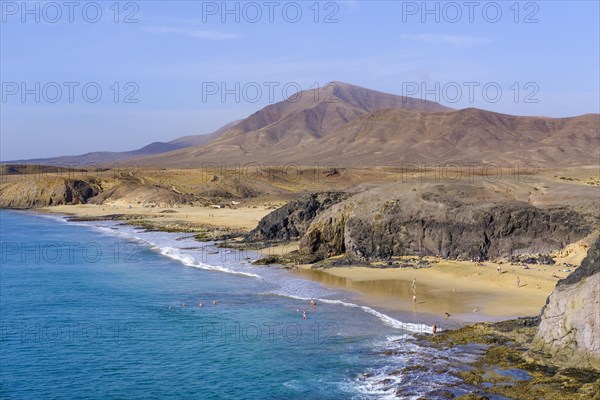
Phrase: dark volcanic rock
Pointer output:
(290, 221)
(539, 259)
(373, 227)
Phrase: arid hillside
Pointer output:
(347, 125)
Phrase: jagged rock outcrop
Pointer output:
(461, 222)
(43, 192)
(569, 330)
(290, 221)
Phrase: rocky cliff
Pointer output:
(290, 221)
(41, 191)
(569, 330)
(47, 192)
(459, 222)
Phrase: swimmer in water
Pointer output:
(304, 314)
(214, 302)
(200, 304)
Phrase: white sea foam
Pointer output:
(168, 245)
(411, 370)
(386, 319)
(54, 217)
(190, 261)
(158, 241)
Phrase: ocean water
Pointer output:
(102, 310)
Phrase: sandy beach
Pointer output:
(466, 291)
(245, 218)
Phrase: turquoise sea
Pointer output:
(99, 310)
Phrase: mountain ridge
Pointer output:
(352, 126)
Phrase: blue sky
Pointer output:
(542, 56)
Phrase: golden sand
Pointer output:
(242, 217)
(464, 290)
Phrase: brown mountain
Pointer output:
(352, 126)
(393, 137)
(291, 124)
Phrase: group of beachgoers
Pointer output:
(413, 286)
(200, 305)
(523, 265)
(313, 307)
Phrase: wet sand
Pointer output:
(466, 291)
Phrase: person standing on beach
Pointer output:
(499, 268)
(433, 329)
(518, 282)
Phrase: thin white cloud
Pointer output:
(197, 33)
(352, 4)
(454, 40)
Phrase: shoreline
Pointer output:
(504, 348)
(469, 293)
(243, 218)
